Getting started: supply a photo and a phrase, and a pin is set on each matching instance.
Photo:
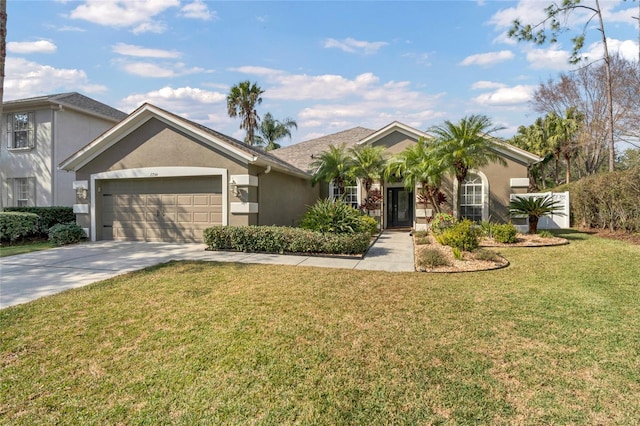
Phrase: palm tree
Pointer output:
(368, 164)
(535, 139)
(335, 165)
(534, 208)
(465, 146)
(563, 131)
(272, 130)
(418, 166)
(241, 101)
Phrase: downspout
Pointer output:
(266, 171)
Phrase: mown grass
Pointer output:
(553, 339)
(12, 250)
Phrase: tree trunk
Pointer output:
(533, 225)
(609, 90)
(567, 159)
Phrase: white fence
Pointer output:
(554, 221)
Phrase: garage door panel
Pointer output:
(161, 209)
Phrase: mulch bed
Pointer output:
(469, 264)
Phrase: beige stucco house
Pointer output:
(485, 193)
(39, 132)
(156, 176)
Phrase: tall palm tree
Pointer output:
(241, 101)
(333, 165)
(368, 164)
(465, 146)
(535, 139)
(563, 134)
(272, 130)
(419, 167)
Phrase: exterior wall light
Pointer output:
(233, 187)
(81, 193)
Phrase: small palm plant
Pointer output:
(534, 208)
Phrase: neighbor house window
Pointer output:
(20, 192)
(350, 195)
(471, 200)
(20, 130)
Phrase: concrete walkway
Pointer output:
(33, 275)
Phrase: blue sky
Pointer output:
(328, 65)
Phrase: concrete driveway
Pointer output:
(30, 276)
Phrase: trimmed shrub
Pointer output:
(369, 224)
(66, 233)
(505, 233)
(49, 216)
(281, 239)
(488, 255)
(16, 225)
(464, 235)
(442, 221)
(432, 258)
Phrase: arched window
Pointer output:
(472, 198)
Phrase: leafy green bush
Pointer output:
(457, 253)
(334, 216)
(464, 235)
(66, 233)
(607, 200)
(432, 258)
(505, 233)
(369, 224)
(17, 225)
(442, 221)
(281, 239)
(49, 216)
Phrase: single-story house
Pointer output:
(156, 176)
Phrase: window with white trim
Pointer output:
(20, 192)
(471, 199)
(349, 197)
(20, 130)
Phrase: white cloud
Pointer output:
(148, 69)
(506, 96)
(484, 85)
(25, 79)
(628, 49)
(489, 58)
(189, 102)
(351, 45)
(532, 10)
(123, 13)
(198, 10)
(143, 52)
(26, 47)
(549, 58)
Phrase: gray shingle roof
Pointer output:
(300, 154)
(256, 152)
(75, 100)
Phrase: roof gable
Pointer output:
(146, 112)
(71, 100)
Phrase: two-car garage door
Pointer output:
(160, 209)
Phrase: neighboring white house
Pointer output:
(37, 134)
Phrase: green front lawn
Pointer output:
(11, 250)
(552, 339)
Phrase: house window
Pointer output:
(20, 130)
(20, 192)
(349, 197)
(472, 197)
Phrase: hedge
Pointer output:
(17, 225)
(68, 233)
(607, 200)
(280, 239)
(49, 216)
